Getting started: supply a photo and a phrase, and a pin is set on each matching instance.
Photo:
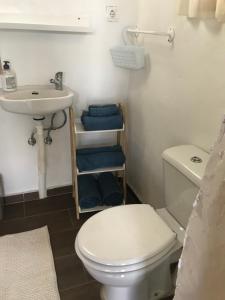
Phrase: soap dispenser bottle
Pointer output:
(8, 78)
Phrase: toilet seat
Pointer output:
(144, 238)
(124, 269)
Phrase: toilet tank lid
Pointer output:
(181, 158)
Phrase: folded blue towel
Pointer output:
(89, 194)
(110, 189)
(111, 122)
(103, 110)
(97, 158)
(84, 151)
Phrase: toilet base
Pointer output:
(154, 287)
(139, 292)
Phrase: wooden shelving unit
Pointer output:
(77, 129)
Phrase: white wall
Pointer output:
(88, 69)
(179, 98)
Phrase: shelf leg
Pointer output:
(73, 161)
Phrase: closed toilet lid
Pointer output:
(124, 235)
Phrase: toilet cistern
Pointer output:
(58, 81)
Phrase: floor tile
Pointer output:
(63, 243)
(70, 272)
(13, 226)
(90, 291)
(14, 211)
(82, 220)
(56, 221)
(49, 204)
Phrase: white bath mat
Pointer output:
(27, 270)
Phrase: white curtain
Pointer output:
(202, 9)
(201, 274)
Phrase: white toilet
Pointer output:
(130, 249)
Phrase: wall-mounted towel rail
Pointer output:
(170, 33)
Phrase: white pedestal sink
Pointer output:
(37, 101)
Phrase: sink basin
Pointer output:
(36, 100)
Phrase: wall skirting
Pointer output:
(31, 196)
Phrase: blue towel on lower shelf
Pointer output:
(84, 151)
(111, 191)
(103, 110)
(89, 195)
(111, 122)
(98, 158)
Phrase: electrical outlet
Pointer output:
(112, 13)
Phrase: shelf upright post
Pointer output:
(74, 161)
(123, 143)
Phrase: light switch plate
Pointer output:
(112, 13)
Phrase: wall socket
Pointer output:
(112, 13)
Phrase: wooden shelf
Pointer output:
(64, 23)
(105, 170)
(79, 129)
(96, 208)
(76, 128)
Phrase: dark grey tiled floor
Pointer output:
(57, 212)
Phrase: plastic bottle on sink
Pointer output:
(8, 78)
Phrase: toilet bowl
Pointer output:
(134, 245)
(130, 249)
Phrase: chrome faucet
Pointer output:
(58, 81)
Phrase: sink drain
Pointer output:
(196, 160)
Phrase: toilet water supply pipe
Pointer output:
(48, 139)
